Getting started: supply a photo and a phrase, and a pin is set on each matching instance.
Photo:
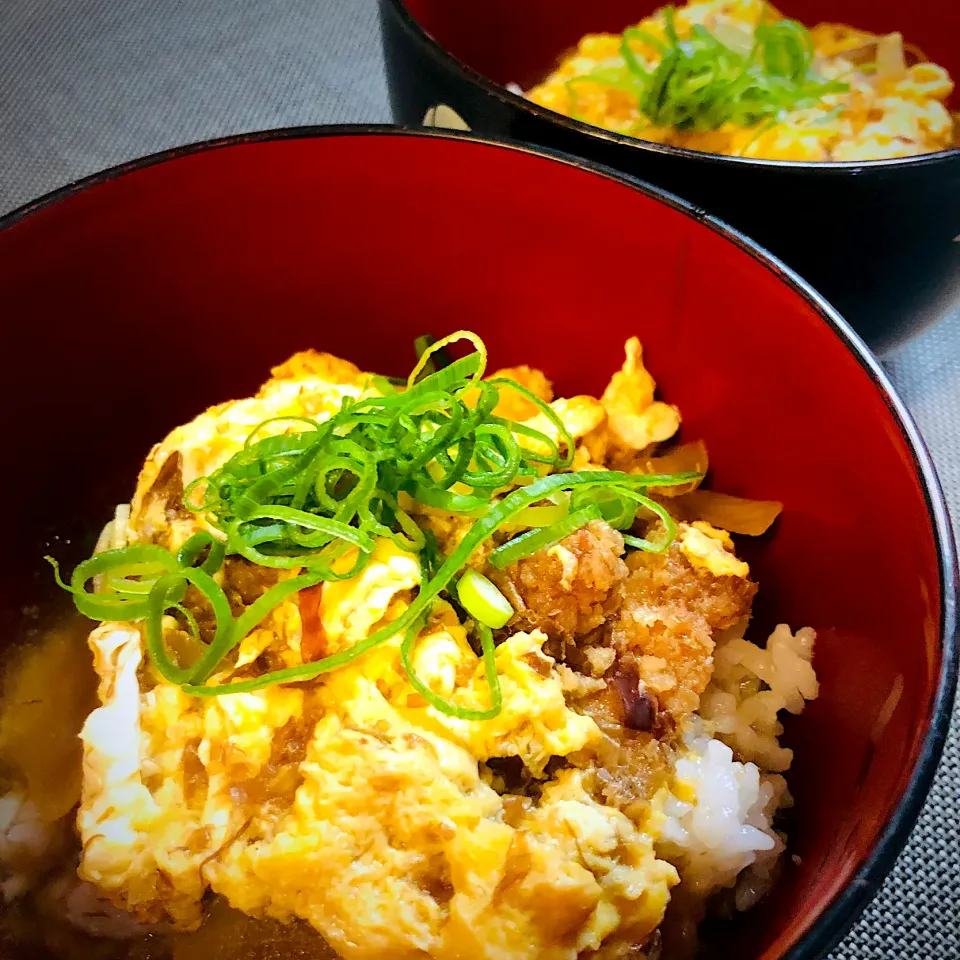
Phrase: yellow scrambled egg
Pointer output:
(310, 384)
(711, 549)
(351, 802)
(891, 110)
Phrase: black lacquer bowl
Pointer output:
(876, 238)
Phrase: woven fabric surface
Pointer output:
(86, 84)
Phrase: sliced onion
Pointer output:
(735, 514)
(686, 458)
(862, 55)
(890, 60)
(884, 53)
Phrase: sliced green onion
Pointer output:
(287, 419)
(130, 588)
(438, 358)
(670, 24)
(385, 385)
(439, 345)
(191, 489)
(547, 411)
(409, 537)
(527, 543)
(705, 79)
(192, 626)
(482, 600)
(191, 550)
(119, 579)
(165, 596)
(670, 527)
(648, 38)
(317, 500)
(284, 499)
(542, 516)
(430, 557)
(113, 606)
(308, 521)
(452, 376)
(495, 444)
(499, 513)
(618, 511)
(437, 702)
(451, 502)
(612, 77)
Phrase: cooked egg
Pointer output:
(353, 803)
(889, 109)
(634, 418)
(390, 817)
(711, 549)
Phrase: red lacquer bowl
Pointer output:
(875, 238)
(138, 297)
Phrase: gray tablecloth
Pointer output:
(85, 84)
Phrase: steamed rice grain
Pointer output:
(719, 816)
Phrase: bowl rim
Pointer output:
(836, 918)
(510, 99)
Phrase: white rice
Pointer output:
(79, 903)
(30, 849)
(727, 823)
(28, 846)
(751, 685)
(719, 828)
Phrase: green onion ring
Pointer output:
(301, 501)
(481, 354)
(483, 600)
(498, 514)
(164, 596)
(105, 606)
(527, 543)
(188, 553)
(437, 702)
(656, 508)
(291, 419)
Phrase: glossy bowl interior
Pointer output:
(875, 238)
(151, 292)
(520, 41)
